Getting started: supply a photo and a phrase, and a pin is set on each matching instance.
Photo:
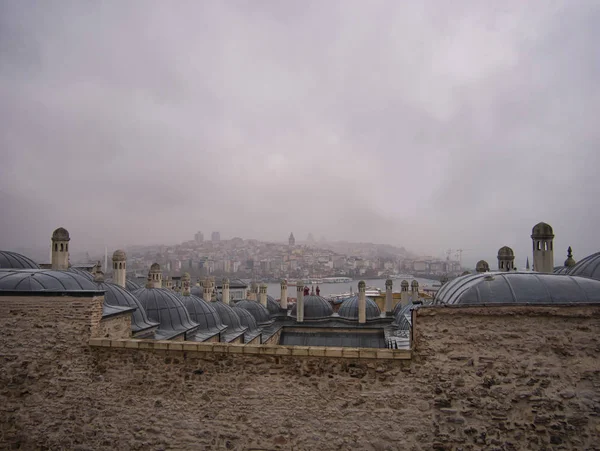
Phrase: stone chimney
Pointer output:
(207, 292)
(168, 283)
(283, 300)
(149, 282)
(156, 275)
(299, 302)
(263, 294)
(404, 292)
(253, 296)
(119, 261)
(414, 286)
(185, 284)
(60, 249)
(225, 291)
(389, 299)
(362, 302)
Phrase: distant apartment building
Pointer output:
(199, 237)
(215, 237)
(420, 266)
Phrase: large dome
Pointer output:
(83, 273)
(315, 307)
(203, 313)
(47, 281)
(249, 322)
(130, 285)
(12, 260)
(588, 267)
(522, 288)
(164, 307)
(402, 317)
(119, 297)
(542, 231)
(272, 305)
(60, 234)
(258, 311)
(349, 309)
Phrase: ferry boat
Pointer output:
(336, 280)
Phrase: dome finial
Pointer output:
(570, 261)
(99, 276)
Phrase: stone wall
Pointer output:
(117, 326)
(507, 378)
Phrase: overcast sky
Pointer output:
(430, 124)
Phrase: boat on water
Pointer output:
(407, 277)
(336, 280)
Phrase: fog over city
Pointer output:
(428, 125)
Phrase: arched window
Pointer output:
(61, 247)
(545, 245)
(539, 245)
(501, 265)
(56, 247)
(67, 247)
(550, 245)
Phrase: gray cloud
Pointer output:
(430, 125)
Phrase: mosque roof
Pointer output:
(588, 267)
(116, 296)
(248, 321)
(203, 313)
(272, 305)
(560, 270)
(542, 230)
(349, 309)
(130, 285)
(164, 307)
(402, 316)
(315, 307)
(256, 309)
(60, 234)
(519, 288)
(46, 282)
(231, 319)
(12, 260)
(82, 272)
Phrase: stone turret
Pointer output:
(185, 284)
(263, 294)
(168, 283)
(119, 263)
(299, 302)
(506, 259)
(404, 292)
(253, 295)
(362, 302)
(60, 249)
(542, 237)
(225, 296)
(414, 288)
(389, 299)
(283, 300)
(155, 275)
(208, 289)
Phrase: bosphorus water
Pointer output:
(328, 289)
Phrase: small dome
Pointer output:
(402, 316)
(155, 267)
(130, 285)
(119, 297)
(315, 307)
(246, 318)
(349, 309)
(60, 234)
(119, 256)
(561, 270)
(542, 231)
(164, 307)
(230, 318)
(414, 284)
(47, 281)
(404, 284)
(588, 267)
(203, 313)
(258, 311)
(506, 252)
(272, 305)
(482, 266)
(197, 290)
(83, 273)
(12, 260)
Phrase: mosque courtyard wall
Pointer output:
(477, 378)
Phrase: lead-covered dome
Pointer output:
(272, 305)
(119, 297)
(506, 252)
(61, 234)
(12, 260)
(542, 231)
(119, 256)
(349, 309)
(315, 307)
(521, 288)
(402, 317)
(130, 285)
(164, 307)
(203, 313)
(257, 310)
(482, 266)
(46, 281)
(248, 321)
(588, 267)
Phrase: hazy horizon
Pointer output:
(429, 126)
